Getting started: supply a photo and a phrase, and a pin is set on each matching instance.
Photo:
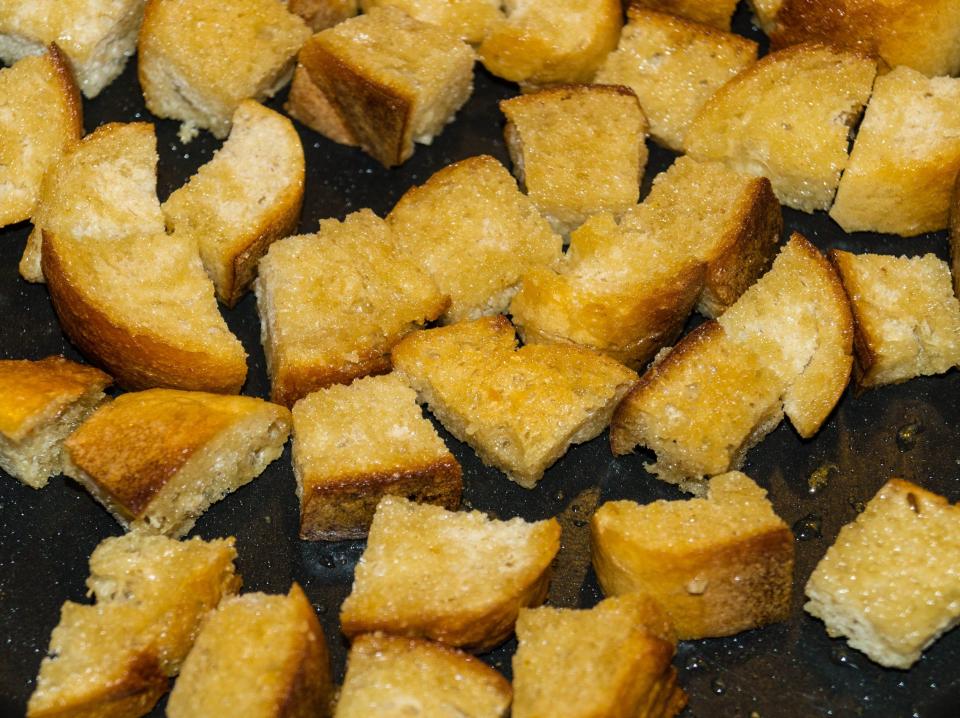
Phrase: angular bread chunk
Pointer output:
(717, 565)
(906, 157)
(333, 304)
(158, 459)
(716, 13)
(610, 660)
(906, 314)
(113, 658)
(674, 66)
(577, 150)
(258, 656)
(97, 36)
(543, 42)
(390, 79)
(470, 20)
(519, 409)
(889, 583)
(787, 118)
(355, 444)
(243, 199)
(129, 296)
(41, 403)
(457, 578)
(389, 673)
(246, 50)
(475, 233)
(321, 14)
(307, 103)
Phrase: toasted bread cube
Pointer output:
(717, 565)
(889, 583)
(246, 197)
(787, 118)
(307, 103)
(519, 409)
(386, 672)
(392, 80)
(905, 159)
(41, 403)
(333, 304)
(610, 660)
(578, 150)
(244, 50)
(158, 459)
(715, 13)
(355, 444)
(259, 656)
(321, 14)
(470, 20)
(673, 66)
(457, 578)
(114, 658)
(544, 42)
(475, 233)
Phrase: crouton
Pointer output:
(715, 13)
(470, 20)
(321, 14)
(307, 103)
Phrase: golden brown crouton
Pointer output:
(307, 103)
(716, 13)
(470, 20)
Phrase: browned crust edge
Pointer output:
(309, 693)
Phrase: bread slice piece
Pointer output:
(787, 118)
(888, 584)
(475, 233)
(308, 104)
(389, 673)
(41, 403)
(610, 660)
(96, 37)
(321, 14)
(906, 157)
(260, 656)
(130, 297)
(392, 80)
(470, 20)
(717, 565)
(519, 409)
(246, 51)
(247, 196)
(577, 150)
(158, 459)
(355, 444)
(457, 578)
(674, 66)
(714, 13)
(113, 658)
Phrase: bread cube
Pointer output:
(321, 14)
(244, 50)
(355, 444)
(470, 20)
(457, 578)
(307, 103)
(787, 118)
(475, 233)
(715, 13)
(673, 66)
(905, 159)
(718, 565)
(889, 583)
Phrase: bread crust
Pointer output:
(308, 104)
(321, 14)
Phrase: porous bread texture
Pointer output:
(673, 66)
(307, 103)
(130, 297)
(955, 237)
(333, 304)
(158, 459)
(905, 159)
(890, 582)
(321, 14)
(259, 656)
(715, 13)
(906, 315)
(520, 409)
(544, 42)
(470, 20)
(787, 118)
(390, 79)
(458, 578)
(389, 673)
(577, 150)
(717, 565)
(40, 117)
(41, 403)
(97, 36)
(475, 234)
(246, 197)
(611, 660)
(354, 444)
(113, 659)
(245, 50)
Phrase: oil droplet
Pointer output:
(322, 609)
(821, 476)
(718, 686)
(808, 527)
(694, 662)
(842, 657)
(907, 435)
(328, 561)
(559, 496)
